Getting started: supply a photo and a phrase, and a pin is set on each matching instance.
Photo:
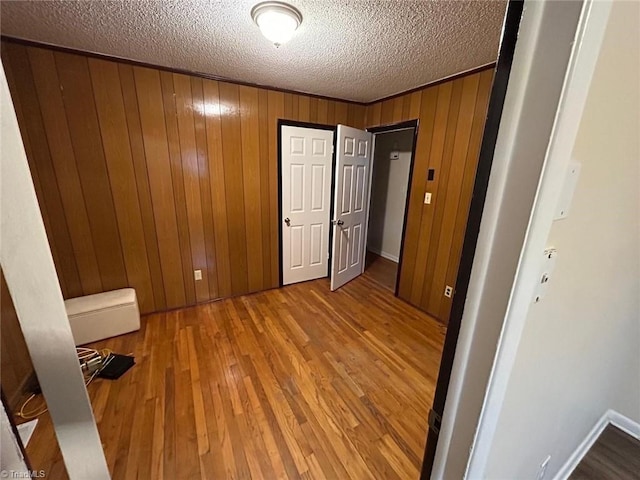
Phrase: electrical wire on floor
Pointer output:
(91, 362)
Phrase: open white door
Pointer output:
(306, 202)
(351, 204)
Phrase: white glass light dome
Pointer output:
(277, 21)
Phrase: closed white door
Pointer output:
(306, 202)
(351, 204)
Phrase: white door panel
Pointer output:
(353, 161)
(306, 196)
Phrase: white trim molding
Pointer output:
(610, 417)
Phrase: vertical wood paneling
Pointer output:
(154, 132)
(268, 217)
(398, 104)
(31, 123)
(466, 191)
(77, 95)
(323, 111)
(138, 156)
(313, 110)
(232, 152)
(177, 183)
(331, 113)
(304, 108)
(275, 110)
(288, 107)
(415, 215)
(191, 177)
(199, 112)
(439, 206)
(386, 112)
(45, 76)
(250, 127)
(342, 113)
(117, 151)
(451, 116)
(374, 114)
(446, 115)
(454, 185)
(213, 112)
(144, 175)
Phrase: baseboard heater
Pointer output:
(103, 315)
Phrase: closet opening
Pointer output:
(391, 175)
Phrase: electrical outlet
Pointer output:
(448, 291)
(197, 274)
(543, 467)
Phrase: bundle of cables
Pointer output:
(91, 362)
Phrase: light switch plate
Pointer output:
(197, 274)
(427, 198)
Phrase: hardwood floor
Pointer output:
(296, 382)
(382, 270)
(615, 454)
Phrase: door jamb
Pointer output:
(386, 129)
(317, 126)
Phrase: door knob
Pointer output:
(287, 221)
(338, 222)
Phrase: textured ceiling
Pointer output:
(358, 50)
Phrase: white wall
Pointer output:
(389, 189)
(579, 353)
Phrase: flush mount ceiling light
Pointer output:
(277, 20)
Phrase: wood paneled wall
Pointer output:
(144, 176)
(452, 117)
(16, 368)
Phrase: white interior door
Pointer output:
(351, 204)
(306, 202)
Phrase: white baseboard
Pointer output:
(625, 424)
(609, 417)
(386, 255)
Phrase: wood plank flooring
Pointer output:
(296, 382)
(616, 454)
(382, 270)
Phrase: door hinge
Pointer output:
(435, 421)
